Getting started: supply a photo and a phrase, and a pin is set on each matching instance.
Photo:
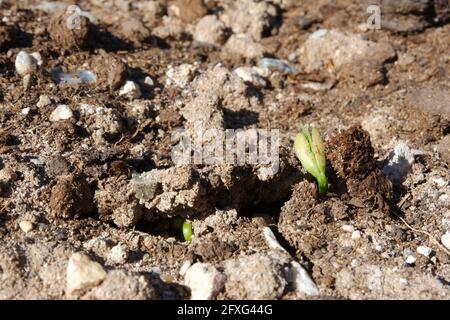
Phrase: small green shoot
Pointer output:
(310, 151)
(187, 231)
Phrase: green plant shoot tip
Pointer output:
(310, 151)
(187, 231)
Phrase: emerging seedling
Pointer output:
(180, 224)
(310, 151)
(187, 231)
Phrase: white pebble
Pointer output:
(83, 273)
(423, 250)
(118, 254)
(185, 267)
(318, 34)
(271, 241)
(248, 74)
(37, 58)
(445, 239)
(25, 111)
(410, 260)
(356, 235)
(149, 81)
(62, 112)
(131, 90)
(440, 182)
(26, 226)
(44, 101)
(204, 280)
(400, 161)
(301, 280)
(348, 228)
(25, 63)
(181, 75)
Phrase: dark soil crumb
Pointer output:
(72, 39)
(110, 70)
(6, 37)
(71, 197)
(352, 158)
(351, 154)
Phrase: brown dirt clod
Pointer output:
(72, 39)
(71, 197)
(110, 71)
(351, 153)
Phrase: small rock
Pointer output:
(255, 18)
(405, 59)
(348, 228)
(255, 277)
(410, 260)
(37, 57)
(44, 101)
(181, 75)
(185, 267)
(25, 64)
(423, 250)
(98, 245)
(332, 49)
(149, 81)
(188, 10)
(272, 241)
(277, 65)
(318, 34)
(134, 30)
(131, 90)
(204, 280)
(248, 74)
(356, 235)
(301, 280)
(400, 161)
(243, 45)
(25, 111)
(171, 27)
(445, 239)
(123, 285)
(118, 254)
(403, 282)
(317, 86)
(210, 30)
(83, 274)
(62, 112)
(26, 226)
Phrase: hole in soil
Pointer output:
(269, 212)
(166, 228)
